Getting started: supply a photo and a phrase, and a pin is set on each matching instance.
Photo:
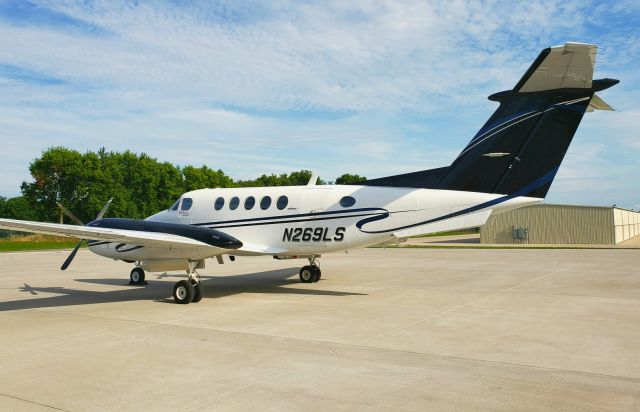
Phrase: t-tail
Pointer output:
(520, 148)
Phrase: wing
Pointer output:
(254, 249)
(137, 237)
(570, 65)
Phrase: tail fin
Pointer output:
(519, 149)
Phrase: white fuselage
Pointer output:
(314, 221)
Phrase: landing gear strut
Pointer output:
(312, 272)
(191, 289)
(136, 277)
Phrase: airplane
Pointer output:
(510, 163)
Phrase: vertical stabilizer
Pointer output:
(520, 148)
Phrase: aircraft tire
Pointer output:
(306, 274)
(136, 277)
(198, 292)
(317, 273)
(183, 292)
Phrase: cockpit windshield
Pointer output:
(175, 205)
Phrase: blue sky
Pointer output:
(367, 87)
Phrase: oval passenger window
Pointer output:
(265, 203)
(347, 201)
(249, 202)
(219, 203)
(233, 204)
(283, 201)
(187, 202)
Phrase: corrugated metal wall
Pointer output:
(551, 224)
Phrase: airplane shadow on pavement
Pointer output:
(273, 282)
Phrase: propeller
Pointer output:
(67, 262)
(73, 217)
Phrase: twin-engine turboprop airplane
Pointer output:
(509, 163)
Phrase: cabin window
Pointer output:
(233, 204)
(187, 202)
(175, 205)
(265, 203)
(347, 201)
(283, 201)
(219, 203)
(249, 202)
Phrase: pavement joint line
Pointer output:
(533, 294)
(175, 322)
(32, 402)
(427, 354)
(369, 347)
(346, 346)
(456, 307)
(494, 362)
(140, 325)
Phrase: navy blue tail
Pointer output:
(524, 141)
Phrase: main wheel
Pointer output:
(136, 277)
(183, 292)
(306, 274)
(316, 273)
(198, 292)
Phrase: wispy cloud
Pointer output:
(367, 87)
(26, 13)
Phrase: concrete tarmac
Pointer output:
(385, 329)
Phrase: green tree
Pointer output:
(58, 176)
(299, 178)
(3, 206)
(349, 179)
(18, 208)
(204, 177)
(139, 184)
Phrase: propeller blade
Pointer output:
(71, 215)
(27, 288)
(104, 209)
(67, 262)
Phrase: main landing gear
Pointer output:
(136, 277)
(191, 289)
(310, 273)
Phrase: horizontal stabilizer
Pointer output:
(560, 67)
(597, 103)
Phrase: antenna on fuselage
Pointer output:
(313, 180)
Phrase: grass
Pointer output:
(34, 245)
